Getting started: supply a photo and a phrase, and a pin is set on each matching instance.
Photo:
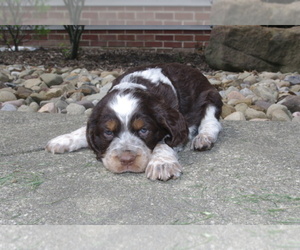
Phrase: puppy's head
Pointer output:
(125, 127)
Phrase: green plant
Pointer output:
(65, 50)
(15, 35)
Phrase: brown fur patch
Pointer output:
(111, 125)
(138, 124)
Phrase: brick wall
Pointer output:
(158, 17)
(142, 39)
(121, 15)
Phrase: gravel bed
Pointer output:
(74, 87)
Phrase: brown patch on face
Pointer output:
(111, 125)
(138, 124)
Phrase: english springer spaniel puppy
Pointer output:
(146, 117)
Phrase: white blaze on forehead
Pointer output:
(124, 106)
(154, 75)
(128, 85)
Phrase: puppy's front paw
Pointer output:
(60, 144)
(202, 142)
(158, 169)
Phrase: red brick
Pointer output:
(89, 37)
(184, 38)
(134, 44)
(153, 44)
(44, 37)
(173, 44)
(27, 37)
(126, 37)
(116, 44)
(108, 37)
(164, 37)
(189, 44)
(145, 37)
(56, 37)
(202, 38)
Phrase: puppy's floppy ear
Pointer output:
(92, 139)
(173, 121)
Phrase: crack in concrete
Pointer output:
(23, 152)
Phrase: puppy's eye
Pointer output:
(143, 131)
(108, 133)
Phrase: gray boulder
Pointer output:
(3, 77)
(75, 109)
(239, 48)
(51, 79)
(292, 103)
(7, 96)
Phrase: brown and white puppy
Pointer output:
(147, 115)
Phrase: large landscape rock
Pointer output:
(239, 48)
(51, 79)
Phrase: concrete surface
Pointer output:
(250, 177)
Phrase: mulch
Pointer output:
(93, 58)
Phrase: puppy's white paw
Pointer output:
(158, 169)
(202, 142)
(60, 144)
(68, 142)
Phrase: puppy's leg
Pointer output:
(68, 142)
(208, 130)
(163, 164)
